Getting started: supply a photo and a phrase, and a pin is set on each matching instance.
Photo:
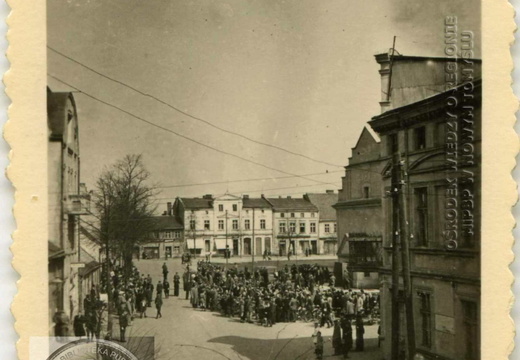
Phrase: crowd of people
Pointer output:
(299, 292)
(302, 292)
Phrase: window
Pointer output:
(206, 224)
(420, 138)
(335, 228)
(235, 207)
(425, 319)
(262, 224)
(313, 227)
(168, 234)
(302, 215)
(366, 192)
(327, 228)
(221, 207)
(263, 211)
(235, 225)
(471, 328)
(292, 227)
(302, 228)
(221, 224)
(366, 274)
(247, 224)
(281, 226)
(393, 144)
(421, 214)
(192, 224)
(292, 215)
(176, 234)
(282, 214)
(207, 212)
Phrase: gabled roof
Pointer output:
(197, 203)
(324, 204)
(166, 222)
(56, 117)
(289, 204)
(255, 203)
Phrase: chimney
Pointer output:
(208, 196)
(169, 207)
(288, 197)
(329, 191)
(245, 197)
(384, 61)
(279, 196)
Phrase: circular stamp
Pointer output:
(92, 349)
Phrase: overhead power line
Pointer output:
(186, 137)
(190, 115)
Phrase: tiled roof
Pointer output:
(256, 203)
(285, 204)
(166, 222)
(324, 203)
(197, 203)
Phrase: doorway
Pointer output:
(247, 246)
(235, 247)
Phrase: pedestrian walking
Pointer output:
(336, 338)
(318, 346)
(176, 282)
(360, 333)
(158, 305)
(165, 271)
(79, 325)
(123, 321)
(159, 287)
(347, 338)
(166, 287)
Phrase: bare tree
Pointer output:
(123, 201)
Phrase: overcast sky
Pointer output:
(298, 74)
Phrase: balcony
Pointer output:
(365, 254)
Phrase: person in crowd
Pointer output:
(165, 271)
(186, 282)
(318, 346)
(158, 304)
(123, 320)
(176, 282)
(360, 333)
(336, 338)
(166, 288)
(347, 337)
(79, 325)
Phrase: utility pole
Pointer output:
(253, 244)
(394, 191)
(405, 258)
(227, 246)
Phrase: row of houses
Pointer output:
(245, 226)
(426, 143)
(74, 263)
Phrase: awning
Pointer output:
(221, 243)
(199, 243)
(55, 251)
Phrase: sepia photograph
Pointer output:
(265, 180)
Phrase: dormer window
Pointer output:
(420, 138)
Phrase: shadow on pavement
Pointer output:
(296, 348)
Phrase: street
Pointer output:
(187, 333)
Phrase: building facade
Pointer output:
(165, 241)
(359, 212)
(66, 205)
(431, 133)
(327, 224)
(295, 225)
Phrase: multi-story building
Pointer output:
(295, 225)
(360, 214)
(166, 239)
(327, 224)
(430, 128)
(197, 218)
(257, 224)
(65, 205)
